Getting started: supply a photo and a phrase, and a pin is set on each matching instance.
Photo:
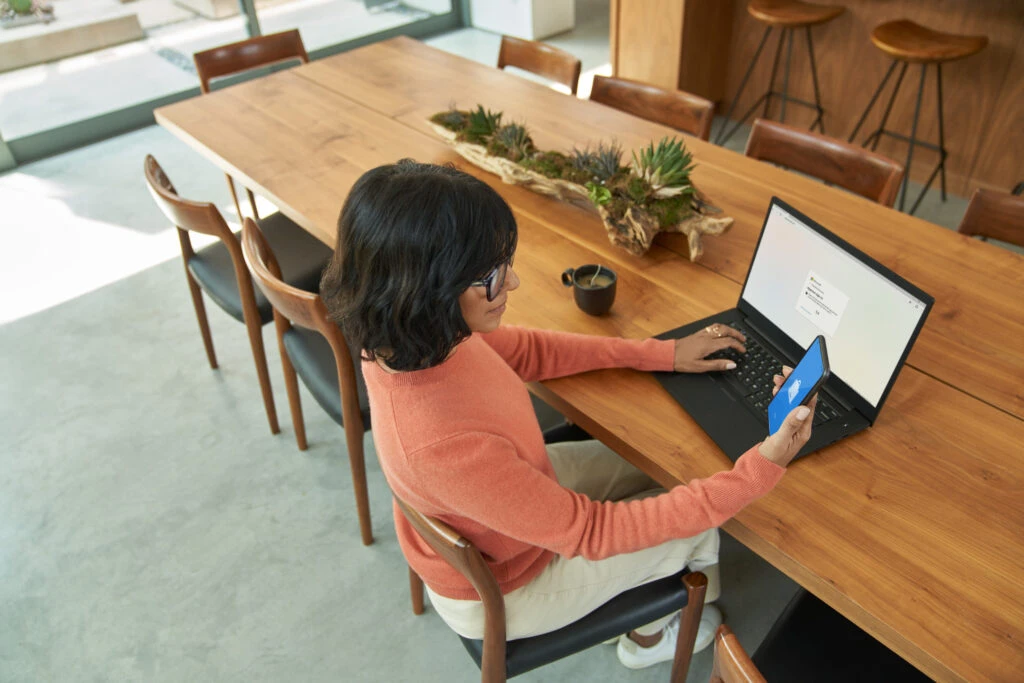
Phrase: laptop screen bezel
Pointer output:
(793, 350)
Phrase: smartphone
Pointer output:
(807, 377)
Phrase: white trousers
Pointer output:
(570, 588)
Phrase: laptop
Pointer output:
(804, 281)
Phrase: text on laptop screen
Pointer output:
(808, 285)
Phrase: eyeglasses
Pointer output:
(494, 281)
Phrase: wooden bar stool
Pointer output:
(907, 42)
(788, 15)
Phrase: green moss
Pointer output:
(671, 210)
(550, 164)
(496, 149)
(638, 189)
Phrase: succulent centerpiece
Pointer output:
(652, 194)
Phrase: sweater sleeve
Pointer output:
(537, 355)
(484, 479)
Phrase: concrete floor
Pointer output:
(45, 96)
(151, 529)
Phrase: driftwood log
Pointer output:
(634, 232)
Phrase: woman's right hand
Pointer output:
(782, 446)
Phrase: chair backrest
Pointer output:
(732, 664)
(306, 309)
(998, 215)
(296, 305)
(191, 216)
(466, 559)
(676, 108)
(853, 168)
(541, 59)
(248, 54)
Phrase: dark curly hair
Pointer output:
(411, 239)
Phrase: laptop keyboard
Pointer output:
(752, 378)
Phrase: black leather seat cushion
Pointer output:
(302, 258)
(621, 614)
(813, 642)
(313, 360)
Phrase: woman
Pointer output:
(419, 281)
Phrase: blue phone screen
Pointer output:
(797, 386)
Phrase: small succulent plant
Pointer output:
(599, 194)
(665, 167)
(482, 124)
(607, 160)
(453, 119)
(516, 140)
(583, 159)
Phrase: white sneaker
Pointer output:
(635, 657)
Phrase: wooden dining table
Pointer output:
(913, 529)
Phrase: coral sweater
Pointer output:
(460, 442)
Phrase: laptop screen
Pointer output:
(807, 285)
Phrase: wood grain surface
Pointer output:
(981, 116)
(912, 529)
(977, 287)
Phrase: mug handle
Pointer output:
(567, 277)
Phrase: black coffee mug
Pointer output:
(593, 287)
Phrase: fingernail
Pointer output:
(730, 366)
(802, 412)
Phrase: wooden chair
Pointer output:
(541, 59)
(676, 108)
(313, 348)
(243, 56)
(810, 641)
(836, 162)
(500, 659)
(995, 215)
(220, 271)
(732, 664)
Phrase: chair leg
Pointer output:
(416, 592)
(234, 197)
(291, 384)
(259, 356)
(689, 622)
(357, 464)
(252, 204)
(204, 323)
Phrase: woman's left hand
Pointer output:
(691, 351)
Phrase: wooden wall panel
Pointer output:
(979, 112)
(648, 45)
(1000, 161)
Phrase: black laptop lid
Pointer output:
(804, 281)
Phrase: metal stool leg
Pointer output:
(913, 137)
(942, 136)
(877, 135)
(871, 104)
(820, 120)
(775, 70)
(732, 107)
(785, 77)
